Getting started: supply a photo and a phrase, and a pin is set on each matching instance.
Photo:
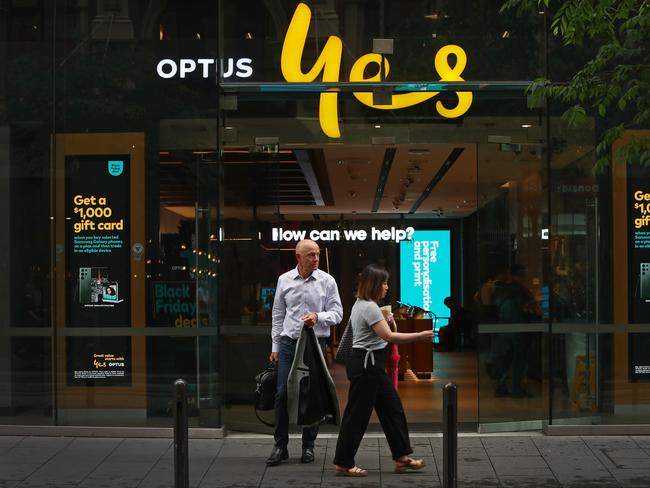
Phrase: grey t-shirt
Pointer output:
(364, 315)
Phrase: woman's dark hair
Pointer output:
(370, 283)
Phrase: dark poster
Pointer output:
(98, 361)
(638, 204)
(97, 211)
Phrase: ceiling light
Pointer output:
(505, 35)
(377, 126)
(248, 35)
(526, 126)
(433, 16)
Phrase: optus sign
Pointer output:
(329, 64)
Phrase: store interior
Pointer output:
(488, 196)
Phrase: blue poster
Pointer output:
(425, 270)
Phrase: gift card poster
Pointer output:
(425, 270)
(638, 241)
(97, 209)
(97, 241)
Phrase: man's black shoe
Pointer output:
(307, 455)
(277, 456)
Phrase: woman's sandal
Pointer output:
(355, 472)
(409, 465)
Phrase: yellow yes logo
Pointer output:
(329, 64)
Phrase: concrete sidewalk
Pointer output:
(530, 460)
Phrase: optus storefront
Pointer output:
(161, 161)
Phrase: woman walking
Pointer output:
(370, 386)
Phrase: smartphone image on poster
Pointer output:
(109, 292)
(85, 285)
(644, 279)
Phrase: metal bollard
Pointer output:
(449, 435)
(181, 452)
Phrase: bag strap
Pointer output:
(268, 424)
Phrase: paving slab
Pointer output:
(527, 481)
(128, 464)
(28, 455)
(7, 442)
(72, 464)
(238, 471)
(510, 446)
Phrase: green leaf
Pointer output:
(575, 115)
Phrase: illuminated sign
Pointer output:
(329, 64)
(240, 68)
(97, 250)
(98, 230)
(425, 270)
(393, 234)
(638, 258)
(98, 361)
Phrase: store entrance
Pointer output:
(401, 206)
(482, 179)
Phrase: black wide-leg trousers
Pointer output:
(370, 387)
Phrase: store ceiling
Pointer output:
(398, 179)
(328, 180)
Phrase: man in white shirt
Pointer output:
(303, 296)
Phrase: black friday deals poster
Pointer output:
(638, 209)
(97, 193)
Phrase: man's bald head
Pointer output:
(308, 257)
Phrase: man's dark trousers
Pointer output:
(287, 353)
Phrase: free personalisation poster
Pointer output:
(425, 270)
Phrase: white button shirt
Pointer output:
(295, 297)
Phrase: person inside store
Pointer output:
(484, 299)
(304, 296)
(514, 302)
(458, 332)
(370, 386)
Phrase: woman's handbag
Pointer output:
(345, 345)
(265, 391)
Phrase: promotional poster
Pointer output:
(97, 192)
(638, 205)
(98, 361)
(425, 270)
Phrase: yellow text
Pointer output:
(329, 64)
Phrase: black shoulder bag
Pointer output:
(265, 385)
